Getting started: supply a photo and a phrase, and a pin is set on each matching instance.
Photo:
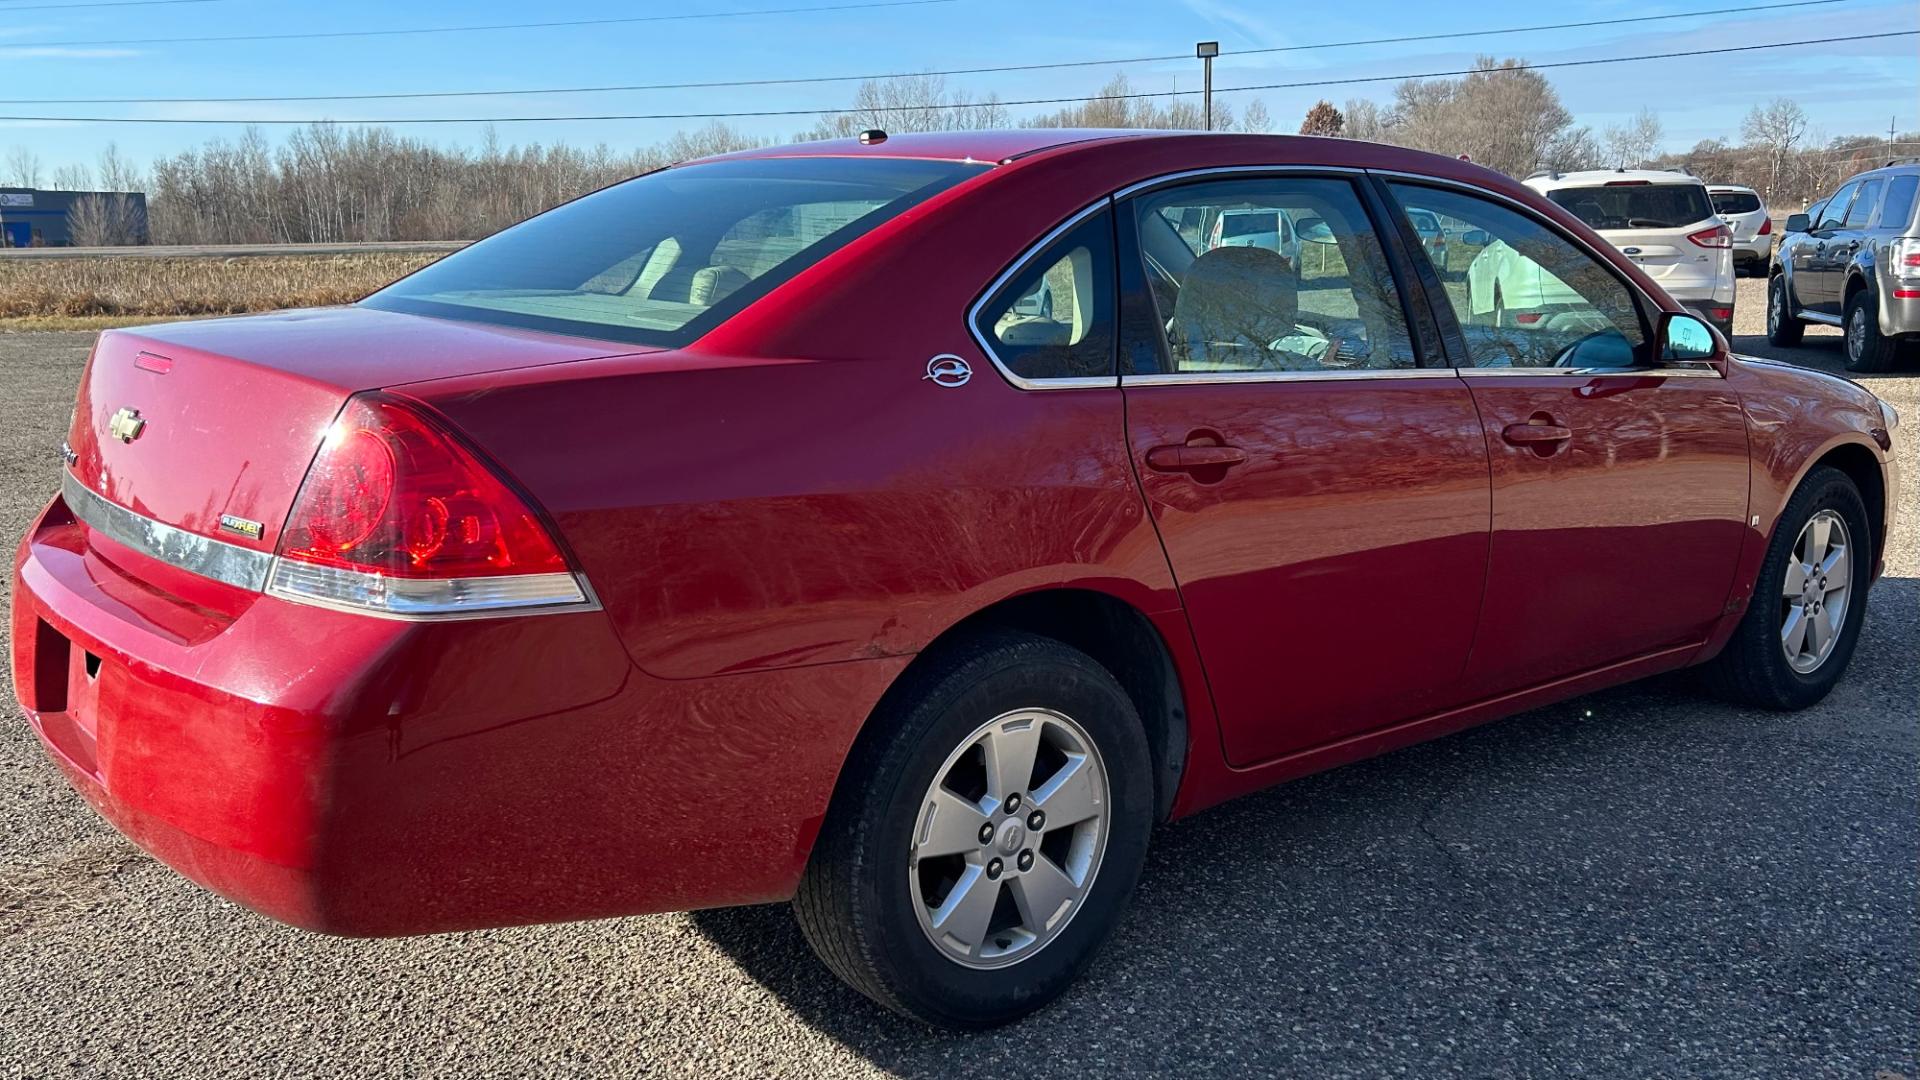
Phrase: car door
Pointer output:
(1819, 289)
(1322, 498)
(1854, 232)
(1619, 487)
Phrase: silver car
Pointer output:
(1746, 216)
(1853, 261)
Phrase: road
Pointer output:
(229, 251)
(1639, 883)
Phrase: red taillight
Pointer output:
(1912, 258)
(1721, 313)
(1716, 237)
(1627, 183)
(392, 494)
(1527, 318)
(1766, 227)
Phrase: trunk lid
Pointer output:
(187, 422)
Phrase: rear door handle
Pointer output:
(1534, 433)
(1190, 458)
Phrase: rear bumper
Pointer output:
(364, 776)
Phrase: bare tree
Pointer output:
(72, 178)
(911, 103)
(1365, 120)
(1322, 119)
(1256, 119)
(112, 220)
(22, 167)
(1503, 116)
(1634, 143)
(1119, 105)
(1777, 128)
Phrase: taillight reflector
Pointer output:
(1716, 237)
(398, 517)
(1907, 294)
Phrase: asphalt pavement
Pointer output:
(1639, 883)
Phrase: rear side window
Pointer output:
(1054, 318)
(1634, 204)
(1735, 202)
(1898, 211)
(663, 258)
(1862, 210)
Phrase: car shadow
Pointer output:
(1822, 349)
(1607, 873)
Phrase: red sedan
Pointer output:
(903, 527)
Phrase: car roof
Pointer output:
(982, 146)
(1599, 177)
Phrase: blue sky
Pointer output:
(1845, 88)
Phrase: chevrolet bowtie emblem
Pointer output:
(126, 425)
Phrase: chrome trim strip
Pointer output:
(1232, 170)
(1187, 378)
(246, 568)
(435, 600)
(429, 600)
(1591, 373)
(1820, 317)
(993, 289)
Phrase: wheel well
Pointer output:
(1855, 283)
(1864, 470)
(1122, 640)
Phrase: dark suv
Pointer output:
(1853, 261)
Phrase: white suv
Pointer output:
(1746, 216)
(1663, 221)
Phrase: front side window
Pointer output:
(1054, 318)
(1835, 210)
(1862, 210)
(1269, 275)
(1635, 204)
(665, 257)
(1530, 297)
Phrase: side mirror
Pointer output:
(1797, 223)
(1313, 230)
(1474, 238)
(1685, 339)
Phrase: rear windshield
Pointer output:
(1232, 225)
(1636, 206)
(1735, 202)
(663, 258)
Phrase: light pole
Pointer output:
(1206, 51)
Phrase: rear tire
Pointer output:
(1783, 330)
(1868, 352)
(880, 880)
(1755, 668)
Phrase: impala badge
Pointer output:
(948, 370)
(126, 425)
(241, 526)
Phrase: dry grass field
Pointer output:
(94, 292)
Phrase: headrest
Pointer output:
(1236, 296)
(712, 284)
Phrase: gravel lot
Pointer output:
(1639, 883)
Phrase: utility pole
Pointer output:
(1206, 51)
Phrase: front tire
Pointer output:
(986, 835)
(1804, 617)
(1783, 330)
(1868, 351)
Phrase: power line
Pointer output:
(818, 79)
(495, 26)
(974, 105)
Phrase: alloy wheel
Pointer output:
(1776, 307)
(1818, 586)
(1857, 333)
(1009, 838)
